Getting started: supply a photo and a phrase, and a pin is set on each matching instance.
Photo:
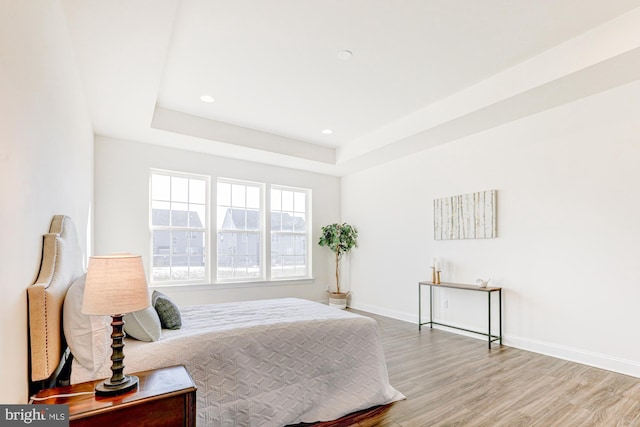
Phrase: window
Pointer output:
(239, 218)
(263, 231)
(179, 227)
(290, 232)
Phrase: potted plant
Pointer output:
(340, 238)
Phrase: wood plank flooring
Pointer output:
(453, 380)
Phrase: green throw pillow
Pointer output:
(143, 325)
(167, 311)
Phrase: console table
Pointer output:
(488, 290)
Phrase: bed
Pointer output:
(255, 363)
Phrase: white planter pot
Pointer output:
(338, 300)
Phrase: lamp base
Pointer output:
(107, 388)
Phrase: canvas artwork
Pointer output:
(467, 216)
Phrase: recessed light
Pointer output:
(207, 98)
(345, 55)
(327, 131)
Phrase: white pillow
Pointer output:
(143, 325)
(88, 337)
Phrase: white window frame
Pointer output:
(244, 234)
(204, 229)
(279, 234)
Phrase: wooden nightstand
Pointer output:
(165, 397)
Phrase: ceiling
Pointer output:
(422, 72)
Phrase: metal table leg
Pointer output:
(500, 313)
(419, 307)
(431, 307)
(489, 293)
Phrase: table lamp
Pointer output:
(115, 285)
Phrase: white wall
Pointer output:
(46, 163)
(122, 210)
(568, 230)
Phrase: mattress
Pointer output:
(269, 362)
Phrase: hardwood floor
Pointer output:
(452, 380)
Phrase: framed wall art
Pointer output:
(467, 216)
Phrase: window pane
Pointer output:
(223, 217)
(287, 201)
(240, 267)
(276, 221)
(253, 220)
(197, 216)
(237, 267)
(253, 197)
(196, 248)
(179, 243)
(238, 255)
(289, 256)
(179, 189)
(276, 200)
(179, 216)
(197, 253)
(225, 243)
(276, 261)
(161, 267)
(196, 272)
(160, 274)
(253, 245)
(301, 266)
(161, 243)
(299, 223)
(238, 195)
(299, 202)
(238, 220)
(179, 268)
(287, 222)
(160, 213)
(160, 187)
(224, 194)
(197, 191)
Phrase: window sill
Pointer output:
(232, 285)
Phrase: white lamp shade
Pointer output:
(115, 284)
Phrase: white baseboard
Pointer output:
(597, 360)
(398, 315)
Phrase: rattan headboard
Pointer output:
(62, 264)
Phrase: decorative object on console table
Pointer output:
(435, 271)
(166, 397)
(434, 267)
(116, 285)
(340, 238)
(482, 283)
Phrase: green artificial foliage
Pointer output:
(340, 238)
